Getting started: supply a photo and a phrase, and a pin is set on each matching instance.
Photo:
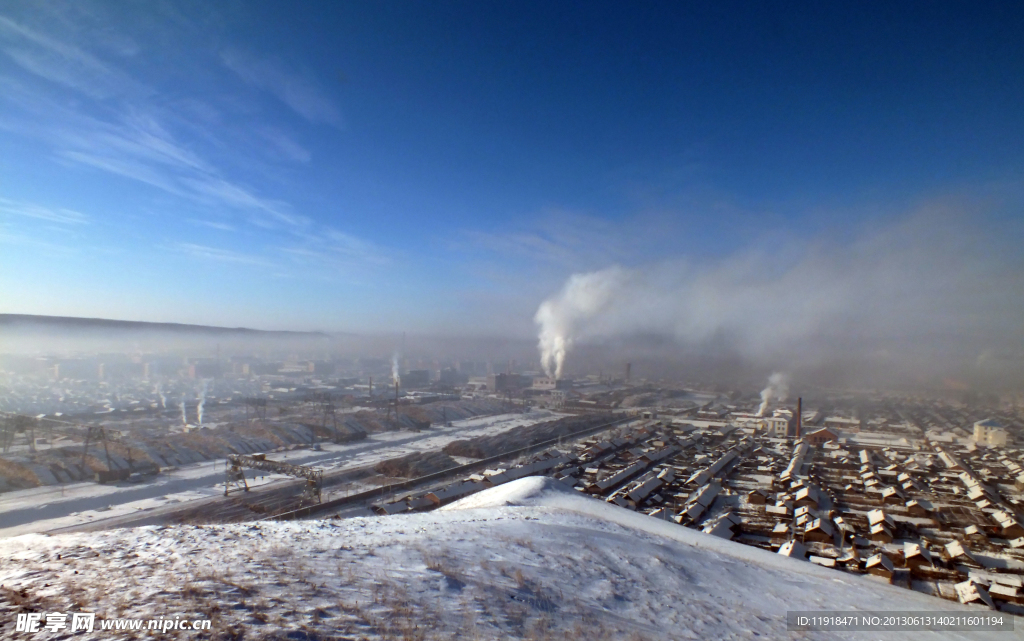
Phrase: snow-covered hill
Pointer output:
(530, 559)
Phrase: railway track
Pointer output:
(282, 498)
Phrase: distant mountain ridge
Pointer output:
(70, 323)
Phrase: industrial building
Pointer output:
(991, 433)
(416, 378)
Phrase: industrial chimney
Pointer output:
(629, 366)
(799, 415)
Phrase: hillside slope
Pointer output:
(77, 324)
(529, 559)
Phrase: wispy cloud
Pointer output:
(560, 238)
(297, 90)
(39, 212)
(63, 63)
(212, 224)
(217, 254)
(137, 144)
(273, 213)
(343, 244)
(127, 169)
(338, 252)
(205, 153)
(332, 256)
(22, 241)
(285, 146)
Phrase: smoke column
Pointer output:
(903, 296)
(181, 404)
(163, 399)
(778, 388)
(395, 377)
(584, 296)
(202, 400)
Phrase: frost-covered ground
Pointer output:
(530, 559)
(46, 508)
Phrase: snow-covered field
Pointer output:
(47, 508)
(529, 559)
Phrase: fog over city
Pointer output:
(897, 303)
(930, 296)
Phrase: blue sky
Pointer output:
(394, 166)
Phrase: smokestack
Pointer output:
(202, 401)
(799, 415)
(629, 366)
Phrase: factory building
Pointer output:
(501, 383)
(205, 368)
(776, 425)
(546, 383)
(842, 423)
(323, 368)
(990, 433)
(416, 378)
(821, 436)
(451, 377)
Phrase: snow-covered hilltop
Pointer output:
(529, 559)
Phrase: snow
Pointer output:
(528, 559)
(526, 491)
(48, 508)
(887, 439)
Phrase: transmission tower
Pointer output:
(15, 424)
(96, 433)
(258, 406)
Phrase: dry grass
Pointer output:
(335, 594)
(18, 475)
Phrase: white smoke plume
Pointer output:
(778, 388)
(583, 298)
(202, 401)
(163, 399)
(184, 417)
(893, 294)
(396, 377)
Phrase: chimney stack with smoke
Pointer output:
(560, 317)
(202, 401)
(778, 388)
